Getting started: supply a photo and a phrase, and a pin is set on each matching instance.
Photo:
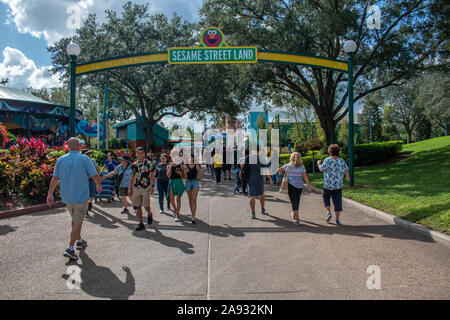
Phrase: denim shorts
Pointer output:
(92, 188)
(336, 196)
(192, 184)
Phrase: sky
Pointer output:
(28, 27)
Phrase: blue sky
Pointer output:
(32, 47)
(27, 27)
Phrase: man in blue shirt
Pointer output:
(73, 172)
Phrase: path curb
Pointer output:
(414, 227)
(28, 210)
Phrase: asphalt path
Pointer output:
(226, 255)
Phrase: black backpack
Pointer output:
(245, 172)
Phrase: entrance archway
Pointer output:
(213, 49)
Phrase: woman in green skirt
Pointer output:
(175, 172)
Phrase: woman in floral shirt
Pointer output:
(333, 169)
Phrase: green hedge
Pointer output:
(307, 160)
(371, 153)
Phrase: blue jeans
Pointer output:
(163, 190)
(92, 188)
(237, 185)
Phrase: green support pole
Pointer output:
(105, 103)
(370, 127)
(313, 162)
(350, 118)
(72, 97)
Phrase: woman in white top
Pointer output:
(296, 173)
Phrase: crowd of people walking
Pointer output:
(80, 178)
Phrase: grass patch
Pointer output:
(416, 189)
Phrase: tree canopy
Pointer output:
(410, 36)
(152, 91)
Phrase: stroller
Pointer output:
(108, 190)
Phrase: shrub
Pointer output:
(32, 149)
(6, 182)
(4, 139)
(370, 153)
(55, 154)
(308, 159)
(36, 182)
(115, 143)
(304, 146)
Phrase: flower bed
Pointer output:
(26, 169)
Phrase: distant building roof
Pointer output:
(16, 100)
(17, 94)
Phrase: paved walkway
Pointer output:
(225, 256)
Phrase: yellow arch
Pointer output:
(162, 57)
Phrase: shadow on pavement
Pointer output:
(100, 281)
(184, 246)
(282, 225)
(386, 231)
(4, 230)
(101, 220)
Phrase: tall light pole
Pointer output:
(73, 50)
(108, 114)
(350, 48)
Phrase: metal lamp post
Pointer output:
(109, 114)
(350, 48)
(73, 50)
(370, 127)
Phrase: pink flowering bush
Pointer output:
(4, 139)
(27, 170)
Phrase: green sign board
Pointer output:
(212, 49)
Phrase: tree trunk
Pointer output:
(409, 136)
(149, 137)
(329, 126)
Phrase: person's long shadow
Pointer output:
(101, 220)
(200, 226)
(184, 246)
(6, 229)
(99, 281)
(386, 231)
(217, 231)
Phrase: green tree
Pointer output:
(151, 92)
(423, 128)
(405, 109)
(384, 56)
(434, 96)
(371, 120)
(389, 128)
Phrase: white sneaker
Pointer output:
(297, 222)
(160, 211)
(177, 219)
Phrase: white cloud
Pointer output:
(23, 72)
(50, 18)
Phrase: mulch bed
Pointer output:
(18, 211)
